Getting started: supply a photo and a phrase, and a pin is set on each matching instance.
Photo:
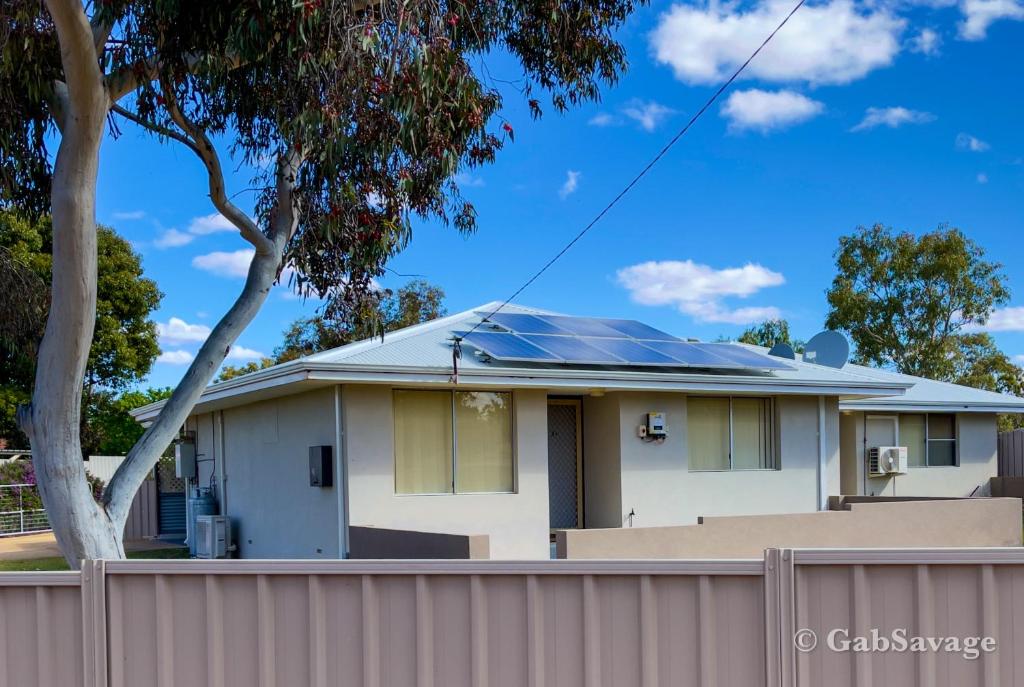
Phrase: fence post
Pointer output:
(779, 618)
(94, 623)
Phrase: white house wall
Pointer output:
(517, 523)
(274, 511)
(976, 435)
(659, 489)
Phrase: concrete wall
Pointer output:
(265, 467)
(517, 523)
(602, 469)
(976, 446)
(376, 543)
(660, 489)
(959, 522)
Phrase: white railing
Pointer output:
(21, 510)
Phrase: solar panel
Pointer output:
(690, 355)
(573, 349)
(631, 351)
(581, 326)
(638, 330)
(744, 356)
(525, 324)
(505, 346)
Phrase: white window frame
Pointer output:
(455, 443)
(773, 457)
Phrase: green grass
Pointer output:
(38, 564)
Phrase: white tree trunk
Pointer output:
(51, 421)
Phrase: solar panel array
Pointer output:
(518, 337)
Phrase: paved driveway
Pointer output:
(43, 545)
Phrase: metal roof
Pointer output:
(422, 355)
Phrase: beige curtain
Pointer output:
(707, 433)
(483, 451)
(423, 442)
(751, 434)
(912, 436)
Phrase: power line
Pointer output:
(644, 171)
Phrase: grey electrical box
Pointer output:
(185, 459)
(321, 466)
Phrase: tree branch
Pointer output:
(78, 56)
(208, 154)
(154, 127)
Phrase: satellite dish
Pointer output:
(828, 348)
(783, 350)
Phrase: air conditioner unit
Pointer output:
(887, 460)
(213, 536)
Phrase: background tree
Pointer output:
(117, 431)
(769, 333)
(914, 303)
(124, 344)
(385, 311)
(366, 110)
(906, 301)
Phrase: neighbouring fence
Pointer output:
(21, 510)
(380, 543)
(1011, 453)
(522, 624)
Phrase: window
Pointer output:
(930, 439)
(730, 433)
(453, 442)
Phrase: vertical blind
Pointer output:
(912, 435)
(717, 426)
(449, 442)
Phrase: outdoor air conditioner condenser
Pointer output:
(213, 536)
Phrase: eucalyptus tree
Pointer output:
(356, 114)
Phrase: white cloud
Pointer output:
(982, 178)
(971, 143)
(647, 114)
(831, 43)
(767, 110)
(210, 224)
(172, 238)
(1003, 320)
(602, 119)
(892, 117)
(699, 290)
(242, 353)
(177, 330)
(225, 263)
(980, 14)
(468, 180)
(130, 214)
(175, 357)
(572, 180)
(1019, 359)
(926, 42)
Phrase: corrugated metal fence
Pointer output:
(493, 623)
(1011, 453)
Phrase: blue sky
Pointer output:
(906, 114)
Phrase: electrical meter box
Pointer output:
(656, 425)
(185, 459)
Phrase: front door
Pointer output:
(565, 493)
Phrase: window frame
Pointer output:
(955, 441)
(455, 442)
(770, 424)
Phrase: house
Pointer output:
(509, 440)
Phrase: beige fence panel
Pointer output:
(436, 624)
(142, 519)
(40, 630)
(937, 593)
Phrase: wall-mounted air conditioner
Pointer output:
(213, 536)
(887, 460)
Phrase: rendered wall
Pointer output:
(517, 523)
(916, 524)
(977, 439)
(273, 510)
(660, 489)
(602, 469)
